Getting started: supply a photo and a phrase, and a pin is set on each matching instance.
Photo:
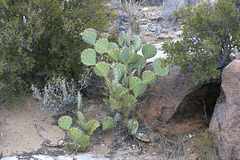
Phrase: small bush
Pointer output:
(41, 38)
(210, 33)
(58, 95)
(207, 146)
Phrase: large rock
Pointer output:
(170, 107)
(225, 123)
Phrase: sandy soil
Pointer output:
(18, 135)
(18, 131)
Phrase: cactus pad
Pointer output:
(128, 38)
(102, 69)
(149, 51)
(133, 82)
(117, 117)
(132, 126)
(140, 62)
(80, 116)
(112, 45)
(131, 58)
(101, 46)
(124, 55)
(107, 123)
(149, 77)
(122, 67)
(77, 136)
(90, 126)
(139, 89)
(65, 122)
(129, 69)
(121, 38)
(117, 74)
(89, 36)
(160, 68)
(108, 83)
(137, 43)
(113, 54)
(88, 57)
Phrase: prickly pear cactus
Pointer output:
(139, 89)
(112, 45)
(117, 117)
(80, 116)
(124, 55)
(122, 85)
(134, 81)
(158, 69)
(131, 58)
(129, 38)
(121, 38)
(132, 126)
(65, 122)
(90, 126)
(80, 140)
(107, 123)
(140, 62)
(102, 69)
(89, 36)
(89, 57)
(149, 51)
(137, 43)
(113, 54)
(117, 74)
(101, 46)
(121, 67)
(149, 77)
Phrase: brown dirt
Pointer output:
(17, 128)
(18, 134)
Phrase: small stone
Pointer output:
(188, 149)
(190, 135)
(61, 142)
(103, 145)
(133, 146)
(154, 153)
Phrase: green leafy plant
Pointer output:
(207, 146)
(123, 75)
(210, 34)
(41, 38)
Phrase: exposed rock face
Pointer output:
(225, 124)
(172, 108)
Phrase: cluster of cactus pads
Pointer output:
(126, 68)
(80, 141)
(125, 60)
